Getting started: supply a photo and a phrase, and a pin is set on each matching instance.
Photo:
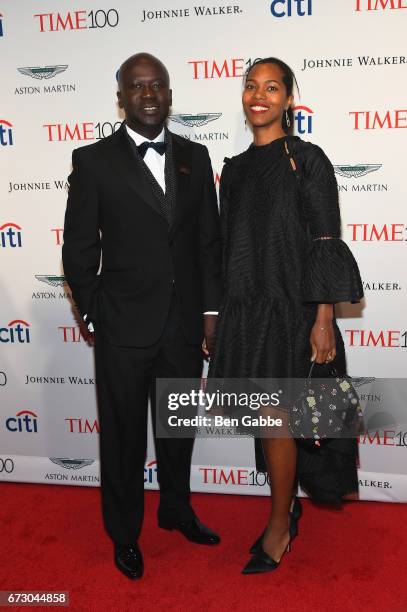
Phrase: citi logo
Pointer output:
(24, 421)
(377, 5)
(287, 8)
(374, 120)
(77, 20)
(150, 472)
(303, 119)
(10, 236)
(6, 133)
(16, 332)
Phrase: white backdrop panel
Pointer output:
(350, 62)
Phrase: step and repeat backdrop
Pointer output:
(58, 63)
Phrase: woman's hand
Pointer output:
(322, 337)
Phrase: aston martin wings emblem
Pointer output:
(195, 120)
(55, 281)
(362, 380)
(356, 171)
(71, 464)
(43, 72)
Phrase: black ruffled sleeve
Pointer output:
(331, 273)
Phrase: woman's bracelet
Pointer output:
(322, 327)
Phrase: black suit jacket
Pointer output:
(114, 216)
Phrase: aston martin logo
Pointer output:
(362, 380)
(71, 464)
(43, 72)
(356, 171)
(195, 120)
(55, 281)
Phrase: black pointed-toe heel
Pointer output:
(257, 544)
(294, 517)
(261, 562)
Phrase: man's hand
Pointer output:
(209, 333)
(87, 330)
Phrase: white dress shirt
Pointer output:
(154, 161)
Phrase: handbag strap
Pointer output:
(310, 370)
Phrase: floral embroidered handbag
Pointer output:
(326, 408)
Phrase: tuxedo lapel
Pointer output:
(124, 163)
(181, 166)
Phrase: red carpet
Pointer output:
(348, 560)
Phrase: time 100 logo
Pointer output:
(77, 20)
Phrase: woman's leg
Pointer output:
(281, 460)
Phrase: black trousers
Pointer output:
(125, 378)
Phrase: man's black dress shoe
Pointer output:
(193, 530)
(129, 561)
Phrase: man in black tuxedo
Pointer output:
(143, 200)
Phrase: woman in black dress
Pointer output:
(285, 267)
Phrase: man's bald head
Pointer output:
(144, 93)
(142, 59)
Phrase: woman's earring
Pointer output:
(287, 118)
(245, 123)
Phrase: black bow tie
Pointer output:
(160, 147)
